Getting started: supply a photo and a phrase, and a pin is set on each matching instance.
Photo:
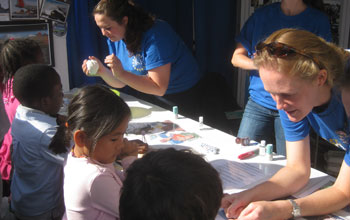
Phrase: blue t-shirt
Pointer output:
(332, 125)
(160, 45)
(263, 23)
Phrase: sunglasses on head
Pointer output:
(281, 50)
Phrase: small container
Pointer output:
(176, 112)
(200, 121)
(245, 141)
(269, 152)
(262, 148)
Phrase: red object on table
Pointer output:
(246, 155)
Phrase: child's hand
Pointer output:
(142, 146)
(132, 148)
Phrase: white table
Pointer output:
(236, 175)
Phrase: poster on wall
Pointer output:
(4, 10)
(24, 9)
(40, 31)
(56, 10)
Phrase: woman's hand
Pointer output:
(101, 67)
(233, 204)
(114, 64)
(264, 210)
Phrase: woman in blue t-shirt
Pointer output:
(147, 55)
(298, 69)
(261, 120)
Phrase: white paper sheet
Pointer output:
(237, 176)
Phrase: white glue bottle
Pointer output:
(200, 122)
(262, 148)
(269, 149)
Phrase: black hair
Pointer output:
(96, 110)
(16, 53)
(33, 82)
(172, 185)
(139, 21)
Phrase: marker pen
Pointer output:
(246, 155)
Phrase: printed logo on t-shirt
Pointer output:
(343, 140)
(138, 62)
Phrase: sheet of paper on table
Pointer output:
(237, 176)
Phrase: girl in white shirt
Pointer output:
(97, 120)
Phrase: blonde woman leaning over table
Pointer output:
(298, 69)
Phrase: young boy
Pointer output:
(37, 184)
(170, 184)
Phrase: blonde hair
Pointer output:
(328, 55)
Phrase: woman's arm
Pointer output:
(240, 58)
(330, 199)
(155, 82)
(286, 181)
(321, 202)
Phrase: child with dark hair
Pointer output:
(97, 120)
(15, 53)
(172, 185)
(36, 186)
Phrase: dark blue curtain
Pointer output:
(215, 24)
(178, 13)
(214, 30)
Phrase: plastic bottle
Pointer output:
(200, 121)
(176, 112)
(262, 148)
(269, 149)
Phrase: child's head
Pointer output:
(172, 185)
(16, 53)
(97, 120)
(38, 86)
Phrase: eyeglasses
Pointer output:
(281, 50)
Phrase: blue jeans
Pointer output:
(260, 123)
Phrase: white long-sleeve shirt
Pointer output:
(91, 189)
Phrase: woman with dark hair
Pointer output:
(146, 55)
